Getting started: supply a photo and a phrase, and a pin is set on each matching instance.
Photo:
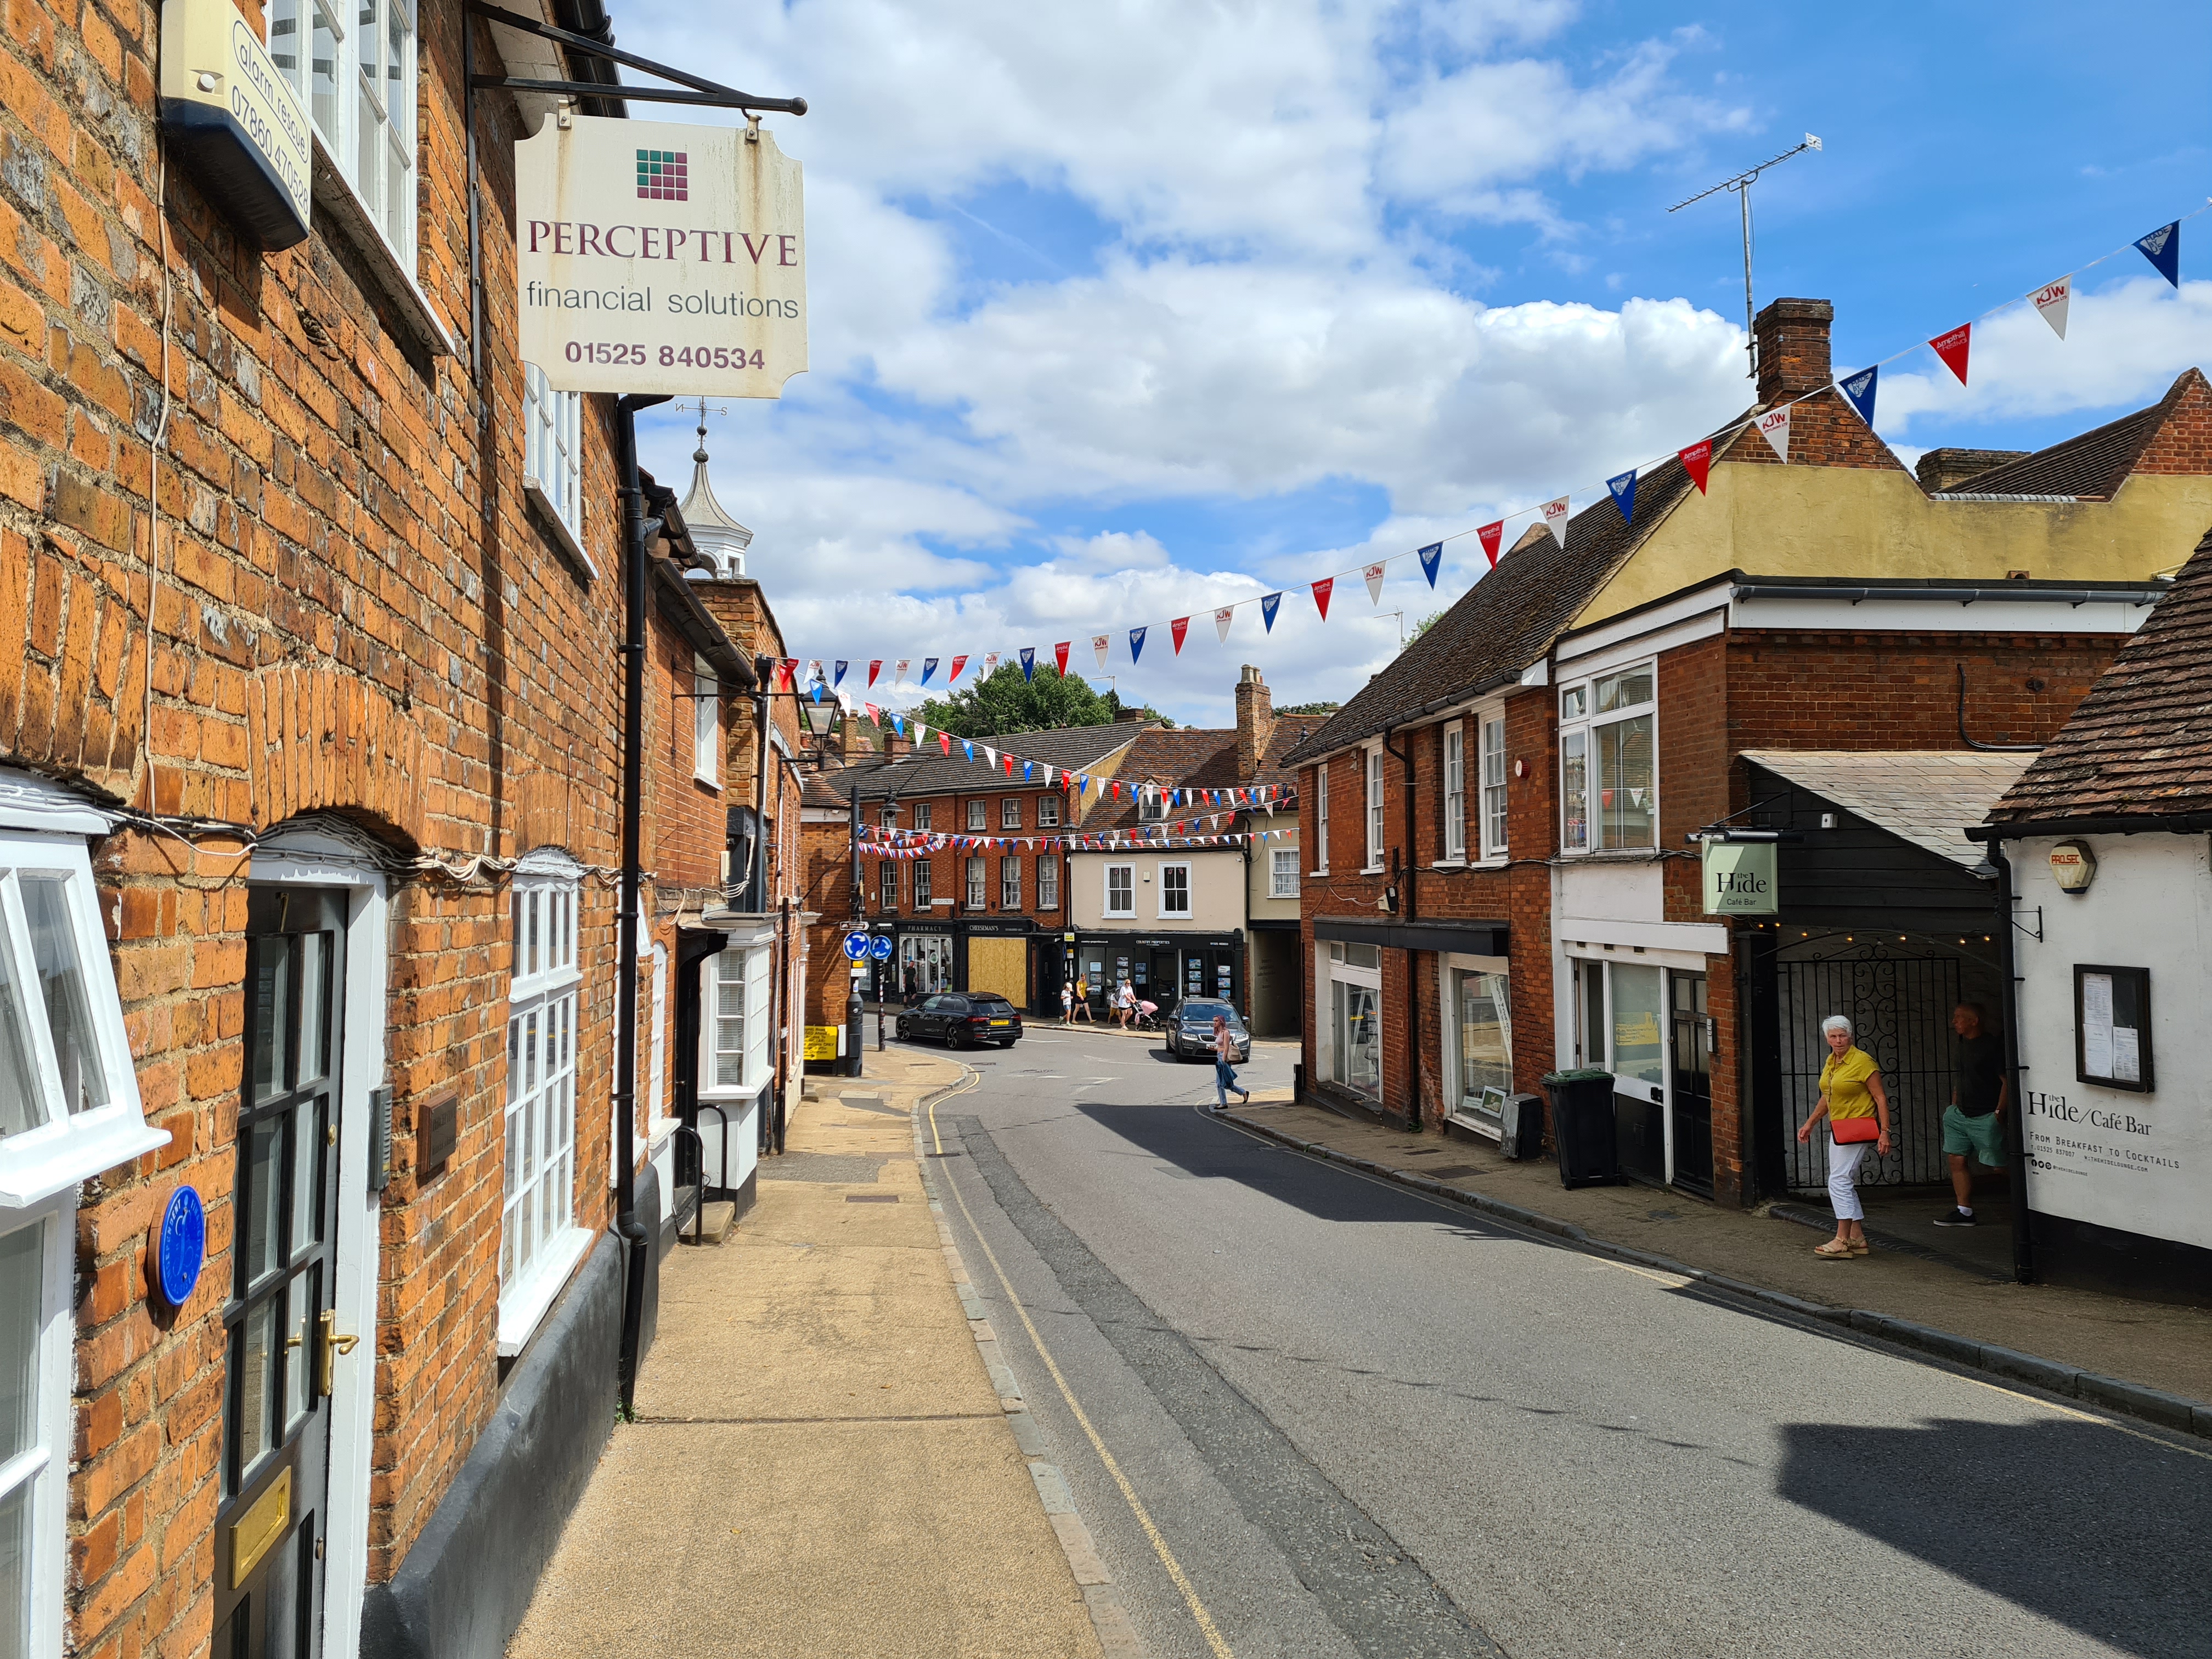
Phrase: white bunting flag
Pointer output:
(990, 664)
(1555, 519)
(898, 672)
(991, 756)
(1374, 575)
(1100, 645)
(1221, 621)
(2051, 301)
(921, 733)
(1774, 427)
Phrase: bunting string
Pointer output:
(1953, 348)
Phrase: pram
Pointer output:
(1148, 1017)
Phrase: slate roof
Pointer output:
(928, 771)
(1199, 758)
(1925, 796)
(1508, 619)
(2091, 465)
(2141, 743)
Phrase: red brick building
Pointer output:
(1825, 657)
(310, 789)
(961, 915)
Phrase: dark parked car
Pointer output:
(962, 1019)
(1191, 1033)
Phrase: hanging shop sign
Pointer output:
(1739, 877)
(654, 257)
(229, 114)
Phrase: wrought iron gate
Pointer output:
(1899, 1008)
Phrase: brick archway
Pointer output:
(322, 741)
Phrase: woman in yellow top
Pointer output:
(1850, 1092)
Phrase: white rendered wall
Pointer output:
(2140, 1163)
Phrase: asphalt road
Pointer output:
(1320, 1415)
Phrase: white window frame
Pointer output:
(706, 723)
(552, 458)
(1048, 811)
(1283, 872)
(922, 884)
(1321, 819)
(1128, 874)
(1579, 735)
(66, 1147)
(1189, 898)
(1490, 795)
(742, 969)
(1151, 803)
(386, 197)
(1454, 791)
(921, 815)
(887, 892)
(41, 1469)
(979, 815)
(1371, 771)
(1010, 812)
(976, 888)
(1332, 968)
(1451, 966)
(1048, 881)
(544, 1006)
(1010, 882)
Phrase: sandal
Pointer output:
(1834, 1250)
(1860, 1247)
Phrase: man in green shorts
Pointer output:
(1974, 1120)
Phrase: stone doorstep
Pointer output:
(2158, 1405)
(717, 1222)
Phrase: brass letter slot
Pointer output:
(261, 1526)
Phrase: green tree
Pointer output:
(1004, 702)
(1310, 708)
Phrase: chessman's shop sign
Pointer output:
(654, 257)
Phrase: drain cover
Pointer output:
(871, 1198)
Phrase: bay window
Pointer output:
(1608, 784)
(735, 1028)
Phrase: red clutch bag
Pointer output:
(1850, 1131)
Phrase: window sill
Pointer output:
(1323, 870)
(1371, 870)
(417, 315)
(1491, 862)
(39, 1163)
(1449, 864)
(524, 1308)
(556, 527)
(705, 781)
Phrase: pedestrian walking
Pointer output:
(1125, 1004)
(1973, 1123)
(1856, 1107)
(1083, 1002)
(1067, 1003)
(1225, 1074)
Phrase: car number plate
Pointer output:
(1002, 1022)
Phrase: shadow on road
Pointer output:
(2089, 1529)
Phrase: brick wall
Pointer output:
(356, 613)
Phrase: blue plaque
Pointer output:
(180, 1246)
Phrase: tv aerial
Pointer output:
(1741, 184)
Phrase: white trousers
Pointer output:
(1843, 1188)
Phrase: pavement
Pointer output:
(825, 1459)
(1957, 1283)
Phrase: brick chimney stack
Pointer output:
(1256, 721)
(1792, 349)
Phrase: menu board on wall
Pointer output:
(2111, 1027)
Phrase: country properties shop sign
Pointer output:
(655, 257)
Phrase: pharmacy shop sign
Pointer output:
(653, 258)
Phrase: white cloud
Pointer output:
(2124, 345)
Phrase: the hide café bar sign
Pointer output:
(653, 258)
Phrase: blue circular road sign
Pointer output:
(180, 1248)
(856, 945)
(881, 950)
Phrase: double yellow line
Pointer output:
(1214, 1640)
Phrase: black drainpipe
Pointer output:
(2015, 1126)
(1407, 908)
(637, 1252)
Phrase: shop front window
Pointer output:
(1355, 1017)
(1638, 1050)
(1483, 1024)
(924, 964)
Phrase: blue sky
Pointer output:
(1125, 312)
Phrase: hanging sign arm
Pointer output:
(703, 91)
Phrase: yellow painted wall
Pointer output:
(1001, 965)
(1852, 522)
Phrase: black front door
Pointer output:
(280, 1322)
(1693, 1063)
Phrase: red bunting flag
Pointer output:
(1176, 629)
(1952, 348)
(1059, 654)
(875, 714)
(1697, 461)
(1490, 535)
(784, 671)
(945, 742)
(875, 667)
(1321, 591)
(1009, 760)
(959, 663)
